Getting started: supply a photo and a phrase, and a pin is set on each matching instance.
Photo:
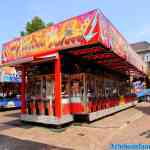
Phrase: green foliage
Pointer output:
(22, 33)
(50, 24)
(35, 24)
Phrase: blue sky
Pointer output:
(131, 17)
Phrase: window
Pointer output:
(147, 57)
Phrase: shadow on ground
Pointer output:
(8, 109)
(18, 123)
(15, 122)
(11, 143)
(28, 125)
(144, 109)
(14, 115)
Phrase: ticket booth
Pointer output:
(81, 66)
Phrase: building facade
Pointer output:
(143, 49)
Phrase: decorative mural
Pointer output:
(74, 32)
(111, 38)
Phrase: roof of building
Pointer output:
(141, 46)
(85, 30)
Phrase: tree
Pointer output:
(50, 24)
(35, 24)
(22, 33)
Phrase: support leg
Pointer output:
(57, 102)
(23, 99)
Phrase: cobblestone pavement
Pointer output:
(129, 126)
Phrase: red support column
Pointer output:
(57, 103)
(23, 99)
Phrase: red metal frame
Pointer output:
(57, 101)
(23, 99)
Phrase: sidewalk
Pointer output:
(137, 131)
(129, 126)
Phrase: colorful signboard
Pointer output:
(138, 86)
(74, 32)
(91, 27)
(111, 38)
(9, 74)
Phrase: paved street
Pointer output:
(129, 126)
